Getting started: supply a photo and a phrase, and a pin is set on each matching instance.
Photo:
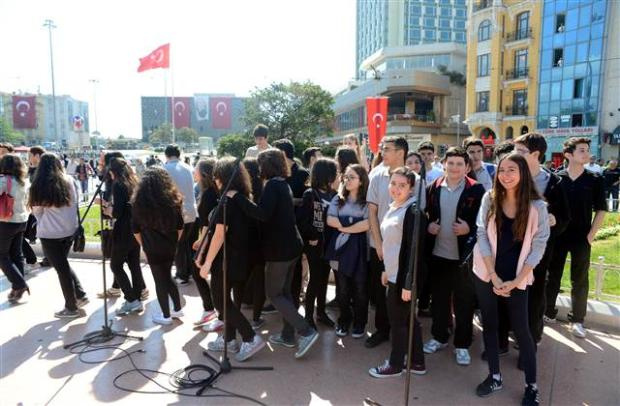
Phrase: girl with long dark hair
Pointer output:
(282, 247)
(513, 229)
(54, 202)
(347, 250)
(14, 182)
(312, 220)
(229, 171)
(157, 224)
(207, 201)
(125, 248)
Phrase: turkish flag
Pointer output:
(221, 114)
(159, 58)
(180, 107)
(24, 112)
(376, 117)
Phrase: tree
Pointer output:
(298, 111)
(162, 134)
(234, 144)
(186, 135)
(456, 78)
(8, 134)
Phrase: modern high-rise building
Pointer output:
(389, 23)
(503, 41)
(579, 92)
(403, 46)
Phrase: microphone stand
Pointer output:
(106, 333)
(412, 275)
(224, 362)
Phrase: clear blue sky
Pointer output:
(217, 47)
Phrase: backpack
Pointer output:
(6, 201)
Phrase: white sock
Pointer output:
(497, 377)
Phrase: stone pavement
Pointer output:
(36, 370)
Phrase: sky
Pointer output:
(223, 46)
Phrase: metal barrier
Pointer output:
(601, 269)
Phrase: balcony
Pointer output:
(516, 74)
(425, 118)
(481, 5)
(518, 35)
(516, 110)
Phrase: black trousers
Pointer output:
(11, 259)
(56, 250)
(184, 257)
(319, 276)
(29, 255)
(399, 312)
(353, 289)
(517, 310)
(203, 289)
(452, 284)
(378, 292)
(165, 286)
(579, 250)
(235, 320)
(130, 255)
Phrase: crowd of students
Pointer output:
(494, 237)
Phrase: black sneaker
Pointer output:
(342, 330)
(67, 314)
(358, 332)
(502, 353)
(531, 397)
(488, 386)
(377, 338)
(270, 309)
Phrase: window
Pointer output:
(509, 132)
(459, 24)
(444, 23)
(577, 120)
(558, 58)
(429, 34)
(523, 25)
(560, 22)
(429, 11)
(519, 102)
(483, 65)
(415, 10)
(484, 31)
(429, 22)
(446, 12)
(578, 89)
(482, 101)
(445, 36)
(459, 36)
(461, 13)
(521, 62)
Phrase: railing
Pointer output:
(516, 110)
(518, 35)
(601, 269)
(426, 118)
(520, 73)
(481, 5)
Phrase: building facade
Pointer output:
(383, 23)
(203, 114)
(503, 47)
(579, 80)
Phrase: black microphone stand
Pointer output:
(412, 275)
(224, 362)
(106, 333)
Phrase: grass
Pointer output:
(91, 222)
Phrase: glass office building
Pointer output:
(571, 65)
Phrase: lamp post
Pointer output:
(49, 24)
(96, 132)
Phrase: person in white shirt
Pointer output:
(437, 164)
(260, 138)
(593, 166)
(427, 152)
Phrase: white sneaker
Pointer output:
(159, 318)
(578, 330)
(213, 326)
(206, 318)
(249, 349)
(176, 314)
(432, 346)
(218, 345)
(462, 356)
(549, 320)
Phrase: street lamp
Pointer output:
(49, 24)
(96, 132)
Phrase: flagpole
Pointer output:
(166, 96)
(172, 93)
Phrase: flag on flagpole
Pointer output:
(159, 58)
(376, 117)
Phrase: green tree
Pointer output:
(186, 135)
(298, 111)
(456, 78)
(234, 144)
(8, 134)
(162, 135)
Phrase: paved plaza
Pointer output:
(36, 370)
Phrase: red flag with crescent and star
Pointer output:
(159, 58)
(180, 107)
(24, 112)
(376, 117)
(221, 114)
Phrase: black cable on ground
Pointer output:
(195, 376)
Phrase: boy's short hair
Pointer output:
(534, 142)
(472, 141)
(570, 145)
(260, 130)
(426, 145)
(457, 152)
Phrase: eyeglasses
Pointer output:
(349, 177)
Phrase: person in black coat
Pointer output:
(125, 248)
